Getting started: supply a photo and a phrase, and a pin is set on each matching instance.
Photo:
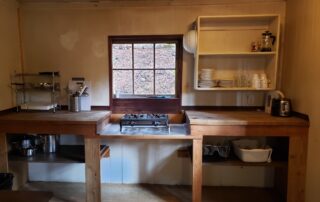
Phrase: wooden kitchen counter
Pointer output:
(253, 123)
(87, 124)
(241, 118)
(77, 123)
(94, 126)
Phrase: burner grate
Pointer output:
(144, 120)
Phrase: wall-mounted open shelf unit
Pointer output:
(224, 45)
(36, 91)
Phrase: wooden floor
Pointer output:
(75, 192)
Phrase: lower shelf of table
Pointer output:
(65, 154)
(232, 160)
(235, 162)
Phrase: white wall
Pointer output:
(72, 38)
(9, 50)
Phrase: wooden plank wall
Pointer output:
(301, 78)
(9, 50)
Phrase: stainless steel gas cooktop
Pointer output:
(144, 120)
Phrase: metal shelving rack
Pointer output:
(26, 85)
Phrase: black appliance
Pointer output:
(281, 107)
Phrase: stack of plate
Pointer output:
(206, 79)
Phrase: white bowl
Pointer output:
(248, 151)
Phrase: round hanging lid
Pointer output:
(190, 41)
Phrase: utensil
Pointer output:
(25, 143)
(38, 143)
(28, 152)
(256, 82)
(267, 41)
(75, 103)
(50, 143)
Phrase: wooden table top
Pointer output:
(59, 116)
(241, 118)
(61, 122)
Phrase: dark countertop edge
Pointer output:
(301, 115)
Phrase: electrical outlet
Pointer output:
(249, 99)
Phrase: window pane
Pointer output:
(122, 56)
(165, 82)
(122, 82)
(143, 82)
(143, 56)
(165, 55)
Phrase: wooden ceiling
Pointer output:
(85, 1)
(149, 1)
(110, 3)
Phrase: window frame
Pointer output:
(148, 105)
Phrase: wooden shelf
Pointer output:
(236, 162)
(232, 160)
(237, 53)
(48, 74)
(65, 154)
(39, 90)
(236, 89)
(224, 44)
(257, 19)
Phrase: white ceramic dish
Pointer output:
(249, 151)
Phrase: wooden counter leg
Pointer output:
(92, 158)
(297, 168)
(197, 170)
(3, 153)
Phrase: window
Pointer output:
(145, 73)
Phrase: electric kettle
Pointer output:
(270, 97)
(268, 40)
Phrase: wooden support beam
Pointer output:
(298, 147)
(197, 170)
(92, 159)
(3, 153)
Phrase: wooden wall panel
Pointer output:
(4, 167)
(9, 50)
(301, 78)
